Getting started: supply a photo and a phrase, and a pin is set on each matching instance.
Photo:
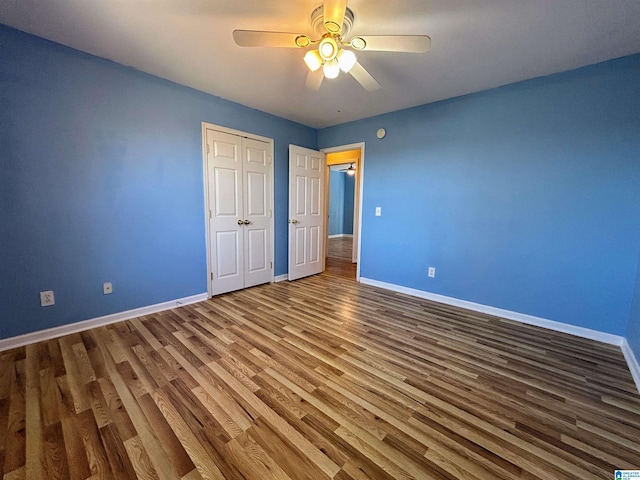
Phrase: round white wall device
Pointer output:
(381, 133)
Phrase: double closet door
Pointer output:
(238, 177)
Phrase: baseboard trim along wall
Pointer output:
(523, 318)
(281, 278)
(632, 361)
(49, 333)
(339, 235)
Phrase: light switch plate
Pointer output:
(378, 211)
(107, 288)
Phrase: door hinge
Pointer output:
(271, 265)
(211, 275)
(210, 214)
(269, 214)
(208, 151)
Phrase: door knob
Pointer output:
(240, 222)
(294, 221)
(246, 222)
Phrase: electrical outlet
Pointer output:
(47, 299)
(107, 288)
(432, 272)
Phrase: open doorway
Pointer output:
(343, 198)
(339, 260)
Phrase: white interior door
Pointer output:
(306, 212)
(257, 212)
(226, 211)
(239, 190)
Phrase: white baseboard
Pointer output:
(338, 235)
(499, 312)
(632, 361)
(523, 318)
(281, 278)
(49, 333)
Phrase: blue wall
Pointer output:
(525, 197)
(341, 188)
(101, 180)
(336, 202)
(349, 185)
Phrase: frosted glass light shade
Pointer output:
(313, 60)
(331, 69)
(346, 60)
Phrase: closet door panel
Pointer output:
(256, 184)
(226, 211)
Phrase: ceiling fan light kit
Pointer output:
(331, 69)
(328, 48)
(346, 60)
(332, 21)
(313, 60)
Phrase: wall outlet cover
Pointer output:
(47, 298)
(107, 288)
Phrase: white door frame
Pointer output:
(210, 126)
(357, 210)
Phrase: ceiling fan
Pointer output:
(332, 22)
(350, 171)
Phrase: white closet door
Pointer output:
(239, 201)
(226, 222)
(257, 213)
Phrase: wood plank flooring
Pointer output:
(338, 261)
(340, 247)
(283, 381)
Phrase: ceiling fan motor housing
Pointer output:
(317, 21)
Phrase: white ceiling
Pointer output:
(476, 45)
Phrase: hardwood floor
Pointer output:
(340, 247)
(280, 382)
(339, 254)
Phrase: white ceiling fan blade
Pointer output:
(392, 43)
(334, 11)
(314, 79)
(364, 78)
(256, 38)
